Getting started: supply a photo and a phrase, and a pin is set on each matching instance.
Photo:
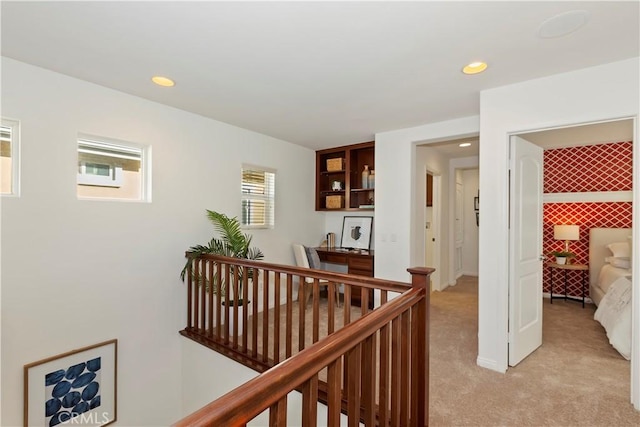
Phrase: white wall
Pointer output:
(396, 207)
(470, 246)
(592, 94)
(77, 272)
(206, 369)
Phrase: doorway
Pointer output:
(571, 141)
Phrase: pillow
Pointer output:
(314, 259)
(620, 249)
(620, 262)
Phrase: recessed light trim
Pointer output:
(563, 24)
(474, 67)
(465, 144)
(163, 81)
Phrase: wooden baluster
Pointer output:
(235, 307)
(354, 360)
(227, 303)
(347, 319)
(316, 310)
(334, 398)
(310, 402)
(190, 294)
(278, 413)
(254, 322)
(383, 297)
(383, 385)
(196, 295)
(245, 313)
(404, 370)
(289, 337)
(215, 287)
(302, 302)
(265, 317)
(396, 333)
(331, 310)
(209, 280)
(368, 380)
(276, 320)
(347, 304)
(364, 301)
(203, 299)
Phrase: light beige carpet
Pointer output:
(575, 379)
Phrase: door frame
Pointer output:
(634, 375)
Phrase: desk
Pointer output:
(566, 267)
(358, 263)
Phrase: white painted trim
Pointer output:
(595, 196)
(489, 364)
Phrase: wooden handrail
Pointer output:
(250, 399)
(394, 356)
(362, 281)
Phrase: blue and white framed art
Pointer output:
(75, 388)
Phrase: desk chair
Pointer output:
(308, 258)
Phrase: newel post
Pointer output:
(420, 279)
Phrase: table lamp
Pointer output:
(566, 233)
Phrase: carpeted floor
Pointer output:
(575, 379)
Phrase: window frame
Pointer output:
(14, 144)
(91, 144)
(269, 198)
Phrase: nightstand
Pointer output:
(567, 267)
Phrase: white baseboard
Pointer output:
(489, 364)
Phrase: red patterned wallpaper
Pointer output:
(587, 216)
(603, 167)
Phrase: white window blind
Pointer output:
(258, 197)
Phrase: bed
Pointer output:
(610, 284)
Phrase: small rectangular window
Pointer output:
(258, 197)
(10, 157)
(109, 169)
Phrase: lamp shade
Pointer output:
(566, 232)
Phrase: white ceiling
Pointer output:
(318, 74)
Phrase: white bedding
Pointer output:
(610, 274)
(614, 314)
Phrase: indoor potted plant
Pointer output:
(232, 243)
(562, 256)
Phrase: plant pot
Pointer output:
(239, 306)
(561, 260)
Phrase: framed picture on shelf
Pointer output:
(356, 232)
(73, 388)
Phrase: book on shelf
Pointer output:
(366, 206)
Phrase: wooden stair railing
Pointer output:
(379, 364)
(245, 335)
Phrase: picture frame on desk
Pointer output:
(356, 232)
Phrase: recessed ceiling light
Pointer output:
(474, 68)
(465, 144)
(563, 24)
(162, 81)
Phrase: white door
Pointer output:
(525, 249)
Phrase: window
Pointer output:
(109, 169)
(9, 157)
(258, 197)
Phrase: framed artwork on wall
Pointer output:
(73, 388)
(356, 232)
